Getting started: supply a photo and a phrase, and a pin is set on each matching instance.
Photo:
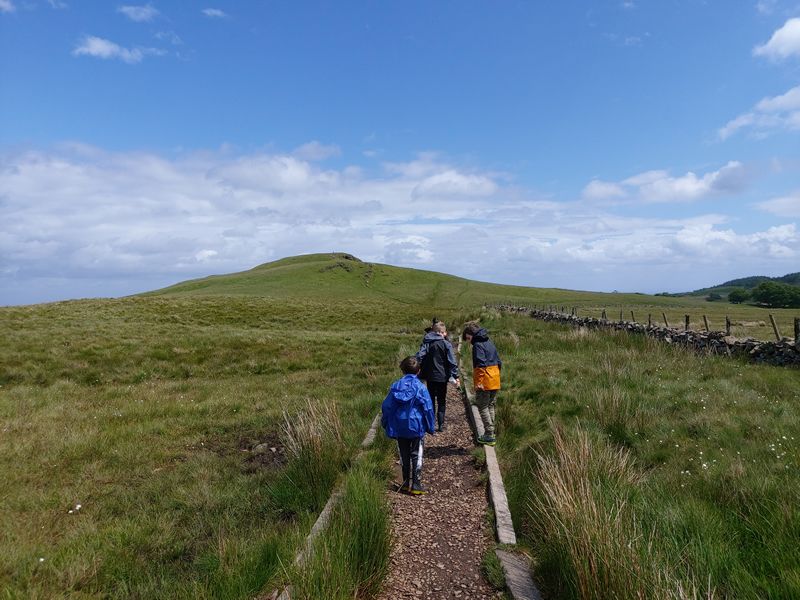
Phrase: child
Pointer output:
(438, 367)
(486, 366)
(407, 414)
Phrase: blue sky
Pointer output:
(622, 144)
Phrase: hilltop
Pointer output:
(342, 275)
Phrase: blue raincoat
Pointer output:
(407, 411)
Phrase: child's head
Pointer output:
(469, 331)
(439, 328)
(409, 365)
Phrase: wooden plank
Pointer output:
(518, 576)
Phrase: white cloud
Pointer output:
(121, 222)
(7, 6)
(769, 114)
(659, 186)
(603, 190)
(140, 14)
(784, 43)
(315, 150)
(57, 4)
(785, 206)
(453, 183)
(214, 13)
(106, 49)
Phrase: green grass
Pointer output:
(146, 410)
(351, 557)
(647, 471)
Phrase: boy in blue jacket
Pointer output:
(407, 415)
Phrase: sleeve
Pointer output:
(423, 350)
(451, 358)
(427, 410)
(384, 414)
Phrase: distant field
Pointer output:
(146, 410)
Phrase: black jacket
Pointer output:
(438, 359)
(484, 353)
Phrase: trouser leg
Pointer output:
(416, 451)
(485, 400)
(404, 447)
(438, 392)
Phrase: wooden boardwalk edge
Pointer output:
(516, 568)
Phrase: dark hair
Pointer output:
(410, 365)
(470, 329)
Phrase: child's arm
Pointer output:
(427, 410)
(451, 359)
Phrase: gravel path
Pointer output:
(440, 538)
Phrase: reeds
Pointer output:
(580, 507)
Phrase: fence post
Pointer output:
(633, 318)
(663, 314)
(727, 325)
(686, 322)
(775, 329)
(705, 321)
(604, 316)
(797, 332)
(649, 320)
(621, 318)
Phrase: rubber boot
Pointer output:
(405, 487)
(416, 487)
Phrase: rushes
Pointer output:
(311, 430)
(317, 453)
(580, 505)
(351, 557)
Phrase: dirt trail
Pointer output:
(440, 538)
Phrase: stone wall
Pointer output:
(783, 353)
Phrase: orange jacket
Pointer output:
(486, 378)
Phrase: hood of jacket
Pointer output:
(432, 336)
(481, 335)
(404, 390)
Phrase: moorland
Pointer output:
(180, 443)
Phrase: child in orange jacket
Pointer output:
(486, 365)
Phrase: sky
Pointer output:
(629, 145)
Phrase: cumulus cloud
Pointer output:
(98, 47)
(784, 43)
(214, 13)
(7, 6)
(784, 206)
(315, 150)
(660, 186)
(140, 14)
(603, 190)
(769, 114)
(110, 223)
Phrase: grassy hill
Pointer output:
(147, 411)
(747, 283)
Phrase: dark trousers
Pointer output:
(410, 458)
(438, 392)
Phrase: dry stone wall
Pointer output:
(783, 353)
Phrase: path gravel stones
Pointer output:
(440, 538)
